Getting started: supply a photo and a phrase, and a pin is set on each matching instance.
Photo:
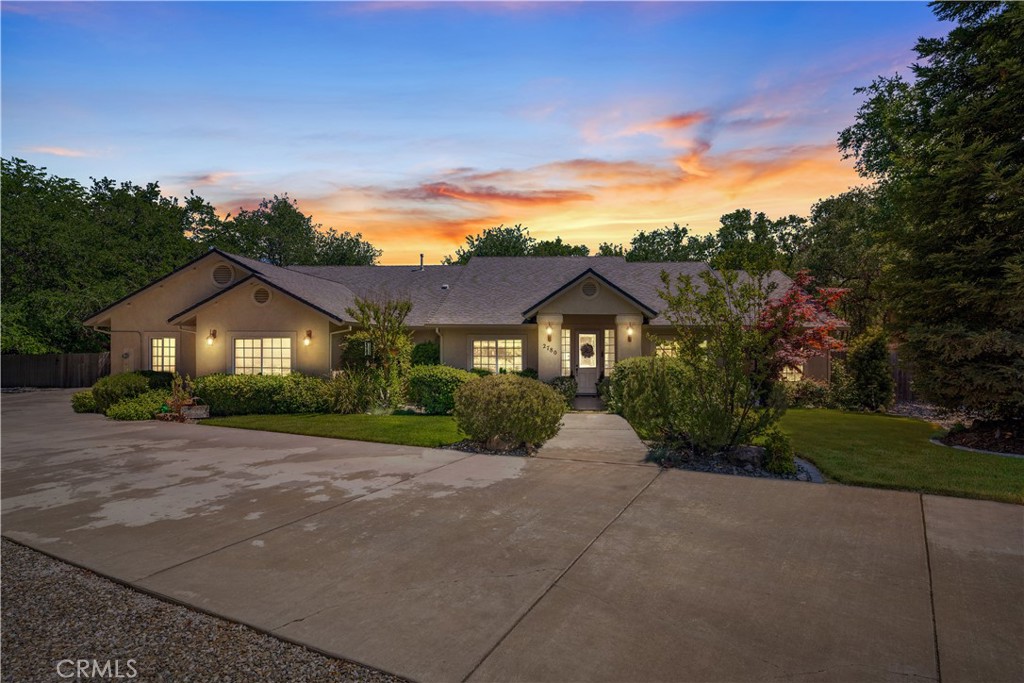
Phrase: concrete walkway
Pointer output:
(440, 566)
(595, 437)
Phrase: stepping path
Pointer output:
(595, 437)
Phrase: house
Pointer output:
(558, 315)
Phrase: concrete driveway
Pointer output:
(440, 566)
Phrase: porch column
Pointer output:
(549, 347)
(628, 345)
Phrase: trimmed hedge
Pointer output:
(115, 388)
(426, 353)
(83, 402)
(566, 387)
(264, 394)
(433, 387)
(141, 407)
(506, 411)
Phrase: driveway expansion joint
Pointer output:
(931, 589)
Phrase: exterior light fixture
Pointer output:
(308, 338)
(211, 338)
(629, 332)
(549, 331)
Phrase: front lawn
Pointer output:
(410, 430)
(894, 452)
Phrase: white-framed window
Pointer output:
(792, 374)
(263, 355)
(609, 351)
(162, 354)
(666, 347)
(566, 352)
(498, 354)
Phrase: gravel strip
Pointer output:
(54, 611)
(930, 413)
(719, 464)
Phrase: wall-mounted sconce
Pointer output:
(308, 338)
(549, 331)
(629, 332)
(212, 338)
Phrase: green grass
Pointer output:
(410, 430)
(894, 452)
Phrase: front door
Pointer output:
(588, 352)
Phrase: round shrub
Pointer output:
(433, 387)
(527, 372)
(566, 387)
(83, 402)
(650, 392)
(141, 407)
(426, 353)
(481, 372)
(507, 411)
(114, 388)
(778, 451)
(157, 379)
(806, 393)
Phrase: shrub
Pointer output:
(871, 376)
(650, 393)
(806, 393)
(157, 379)
(426, 353)
(778, 451)
(351, 391)
(263, 394)
(566, 387)
(481, 372)
(841, 393)
(83, 402)
(506, 411)
(141, 407)
(527, 372)
(114, 388)
(433, 387)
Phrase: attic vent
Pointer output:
(261, 295)
(589, 289)
(222, 274)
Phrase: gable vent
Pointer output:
(223, 274)
(589, 288)
(261, 295)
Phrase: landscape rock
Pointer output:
(747, 455)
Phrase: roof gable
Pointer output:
(590, 272)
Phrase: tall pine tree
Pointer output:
(948, 148)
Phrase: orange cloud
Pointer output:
(678, 121)
(489, 194)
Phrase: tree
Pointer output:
(749, 241)
(69, 250)
(382, 325)
(843, 247)
(669, 244)
(871, 383)
(733, 338)
(947, 148)
(557, 247)
(512, 241)
(277, 232)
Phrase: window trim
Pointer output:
(148, 348)
(261, 334)
(470, 339)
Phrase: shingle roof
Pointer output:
(485, 291)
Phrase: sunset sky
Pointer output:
(416, 124)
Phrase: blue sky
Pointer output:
(417, 123)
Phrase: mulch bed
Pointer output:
(718, 464)
(468, 446)
(1002, 437)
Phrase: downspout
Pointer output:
(440, 344)
(110, 333)
(347, 329)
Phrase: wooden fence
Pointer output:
(901, 376)
(53, 369)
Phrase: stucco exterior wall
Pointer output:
(574, 302)
(236, 314)
(456, 349)
(144, 316)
